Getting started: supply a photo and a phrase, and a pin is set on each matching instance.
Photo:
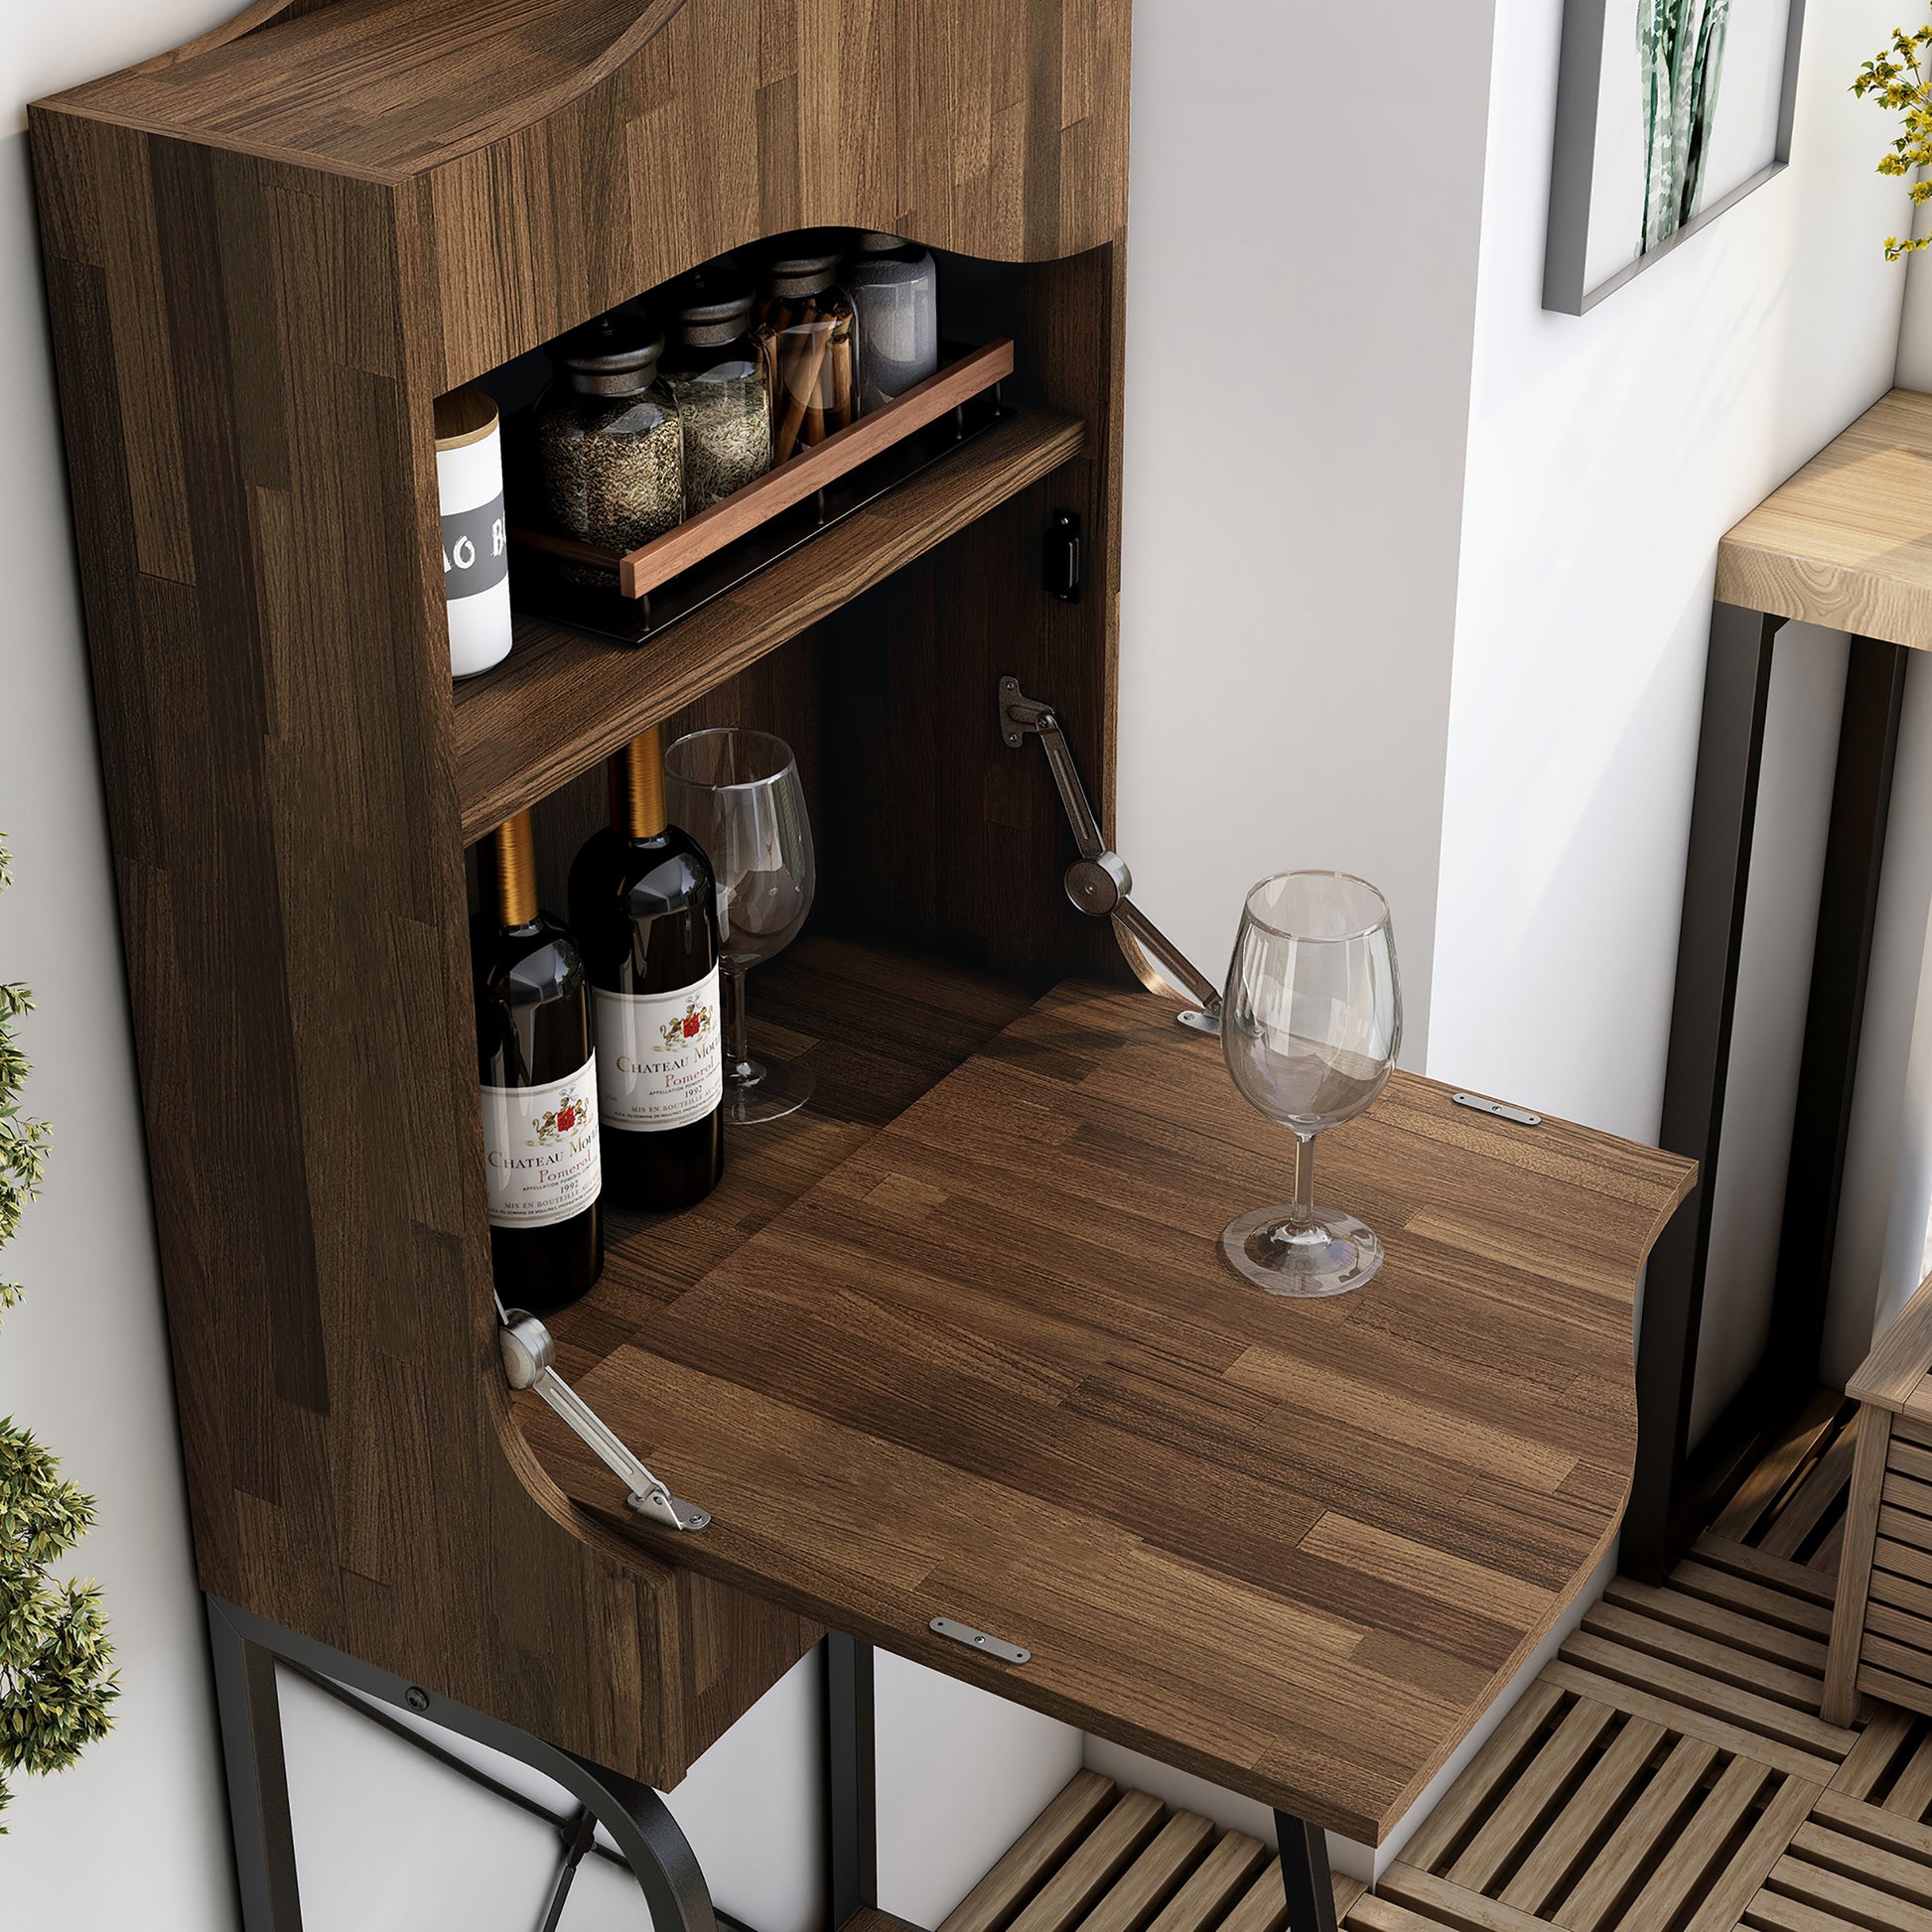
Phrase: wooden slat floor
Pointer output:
(1669, 1772)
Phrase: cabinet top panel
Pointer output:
(992, 126)
(995, 1369)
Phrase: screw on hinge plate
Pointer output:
(1060, 557)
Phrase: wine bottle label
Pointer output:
(540, 1150)
(659, 1059)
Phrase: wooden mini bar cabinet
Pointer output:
(956, 1343)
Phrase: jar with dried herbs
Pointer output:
(812, 349)
(610, 447)
(716, 370)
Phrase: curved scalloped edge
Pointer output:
(522, 113)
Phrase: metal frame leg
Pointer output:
(1847, 913)
(1724, 812)
(1305, 1878)
(1676, 1491)
(257, 1775)
(852, 1774)
(246, 1650)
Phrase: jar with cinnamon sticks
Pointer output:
(810, 343)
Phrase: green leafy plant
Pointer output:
(57, 1680)
(1679, 58)
(1898, 82)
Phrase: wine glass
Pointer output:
(1310, 1027)
(736, 793)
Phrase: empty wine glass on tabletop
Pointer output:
(736, 793)
(1310, 1027)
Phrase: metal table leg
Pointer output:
(851, 1775)
(246, 1650)
(1674, 1492)
(1305, 1876)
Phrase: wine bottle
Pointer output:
(644, 909)
(539, 1086)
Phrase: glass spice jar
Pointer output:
(812, 350)
(895, 292)
(610, 448)
(715, 369)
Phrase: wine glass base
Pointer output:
(1333, 1255)
(776, 1088)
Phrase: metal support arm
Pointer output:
(1098, 882)
(528, 1355)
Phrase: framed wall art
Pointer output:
(1668, 113)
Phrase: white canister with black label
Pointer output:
(476, 535)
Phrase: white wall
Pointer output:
(1300, 303)
(136, 1833)
(1607, 454)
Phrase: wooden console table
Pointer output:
(1847, 543)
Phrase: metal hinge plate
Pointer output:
(1008, 1653)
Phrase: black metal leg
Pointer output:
(852, 1775)
(246, 1648)
(581, 1841)
(1737, 690)
(1848, 913)
(258, 1786)
(1305, 1874)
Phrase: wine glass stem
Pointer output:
(738, 1070)
(1301, 1214)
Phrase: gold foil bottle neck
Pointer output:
(512, 855)
(638, 787)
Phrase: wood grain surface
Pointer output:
(564, 155)
(266, 254)
(1848, 542)
(992, 1366)
(1881, 1629)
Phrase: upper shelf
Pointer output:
(1848, 542)
(994, 1367)
(560, 701)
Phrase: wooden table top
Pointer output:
(1848, 541)
(994, 1367)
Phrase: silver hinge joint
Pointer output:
(528, 1355)
(1098, 882)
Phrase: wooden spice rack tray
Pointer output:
(713, 552)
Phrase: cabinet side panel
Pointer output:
(272, 686)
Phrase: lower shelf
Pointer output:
(1102, 1860)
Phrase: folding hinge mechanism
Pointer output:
(1098, 882)
(528, 1353)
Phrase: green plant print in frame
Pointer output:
(1679, 58)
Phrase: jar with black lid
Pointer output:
(813, 349)
(895, 291)
(716, 370)
(608, 444)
